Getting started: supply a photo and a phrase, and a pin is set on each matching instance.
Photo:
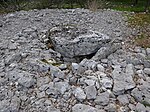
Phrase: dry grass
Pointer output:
(143, 41)
(93, 5)
(141, 21)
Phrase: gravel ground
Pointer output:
(33, 77)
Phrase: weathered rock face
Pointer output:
(123, 81)
(73, 42)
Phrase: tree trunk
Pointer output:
(135, 2)
(71, 4)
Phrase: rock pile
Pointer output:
(34, 77)
(73, 42)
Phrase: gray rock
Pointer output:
(130, 70)
(140, 107)
(132, 107)
(101, 74)
(48, 102)
(12, 46)
(67, 95)
(14, 75)
(41, 94)
(100, 68)
(78, 42)
(79, 93)
(134, 61)
(91, 92)
(56, 72)
(10, 106)
(42, 81)
(148, 51)
(123, 109)
(63, 66)
(144, 51)
(52, 92)
(52, 109)
(83, 108)
(101, 110)
(141, 93)
(146, 63)
(1, 24)
(10, 15)
(122, 81)
(29, 30)
(123, 99)
(23, 98)
(106, 82)
(62, 86)
(46, 86)
(15, 104)
(137, 94)
(13, 58)
(27, 80)
(141, 56)
(147, 108)
(138, 49)
(86, 64)
(138, 67)
(35, 65)
(75, 67)
(104, 52)
(102, 99)
(111, 108)
(105, 61)
(90, 82)
(147, 71)
(73, 80)
(4, 106)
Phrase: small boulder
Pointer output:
(27, 80)
(62, 86)
(83, 108)
(79, 93)
(91, 92)
(147, 71)
(102, 99)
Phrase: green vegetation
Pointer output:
(123, 5)
(129, 5)
(16, 5)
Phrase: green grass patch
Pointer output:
(129, 8)
(127, 5)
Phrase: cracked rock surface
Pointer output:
(36, 75)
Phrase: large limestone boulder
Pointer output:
(73, 42)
